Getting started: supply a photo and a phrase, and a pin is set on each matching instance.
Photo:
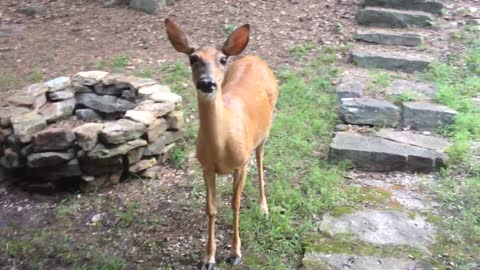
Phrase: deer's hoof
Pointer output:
(234, 260)
(207, 266)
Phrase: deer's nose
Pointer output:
(207, 85)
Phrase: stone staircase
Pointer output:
(386, 128)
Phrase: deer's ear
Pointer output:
(237, 41)
(178, 38)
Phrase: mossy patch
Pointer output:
(373, 195)
(342, 210)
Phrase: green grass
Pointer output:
(299, 51)
(458, 190)
(120, 62)
(378, 79)
(36, 75)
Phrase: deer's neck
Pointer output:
(213, 119)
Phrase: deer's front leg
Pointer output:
(211, 210)
(239, 177)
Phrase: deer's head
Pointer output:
(208, 63)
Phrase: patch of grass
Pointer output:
(36, 75)
(228, 29)
(120, 62)
(126, 216)
(458, 190)
(179, 158)
(99, 64)
(378, 79)
(406, 96)
(6, 82)
(299, 51)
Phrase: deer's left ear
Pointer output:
(180, 41)
(237, 41)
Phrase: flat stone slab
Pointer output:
(402, 61)
(121, 131)
(417, 90)
(382, 227)
(58, 84)
(53, 111)
(386, 37)
(373, 153)
(25, 125)
(104, 103)
(89, 77)
(415, 139)
(427, 116)
(403, 196)
(48, 159)
(53, 139)
(87, 135)
(393, 18)
(434, 7)
(369, 111)
(6, 114)
(318, 260)
(102, 152)
(152, 89)
(352, 83)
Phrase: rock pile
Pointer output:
(93, 127)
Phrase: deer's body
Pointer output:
(235, 109)
(239, 120)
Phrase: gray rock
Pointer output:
(377, 154)
(427, 116)
(108, 90)
(152, 172)
(7, 112)
(80, 88)
(58, 84)
(53, 111)
(368, 111)
(48, 159)
(103, 166)
(403, 61)
(406, 198)
(434, 7)
(129, 95)
(25, 125)
(4, 133)
(101, 181)
(166, 97)
(143, 117)
(159, 109)
(121, 131)
(26, 100)
(351, 84)
(89, 77)
(11, 159)
(148, 6)
(36, 89)
(61, 94)
(157, 128)
(105, 103)
(175, 120)
(70, 169)
(158, 146)
(472, 22)
(87, 115)
(135, 155)
(417, 90)
(142, 165)
(386, 37)
(317, 260)
(152, 89)
(102, 152)
(408, 137)
(53, 139)
(391, 18)
(382, 227)
(113, 3)
(87, 135)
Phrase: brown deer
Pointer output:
(235, 107)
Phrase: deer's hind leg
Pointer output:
(239, 176)
(259, 153)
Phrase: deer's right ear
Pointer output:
(178, 38)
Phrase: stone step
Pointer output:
(427, 116)
(414, 89)
(434, 7)
(387, 37)
(392, 18)
(391, 60)
(369, 111)
(381, 231)
(373, 153)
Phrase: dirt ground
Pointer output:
(66, 36)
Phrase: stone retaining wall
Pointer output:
(93, 128)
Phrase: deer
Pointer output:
(235, 107)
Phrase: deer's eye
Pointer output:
(223, 60)
(193, 59)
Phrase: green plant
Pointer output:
(36, 75)
(120, 62)
(299, 51)
(228, 28)
(126, 216)
(179, 157)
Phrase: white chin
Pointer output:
(207, 96)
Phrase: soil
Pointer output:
(66, 36)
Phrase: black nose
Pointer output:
(206, 86)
